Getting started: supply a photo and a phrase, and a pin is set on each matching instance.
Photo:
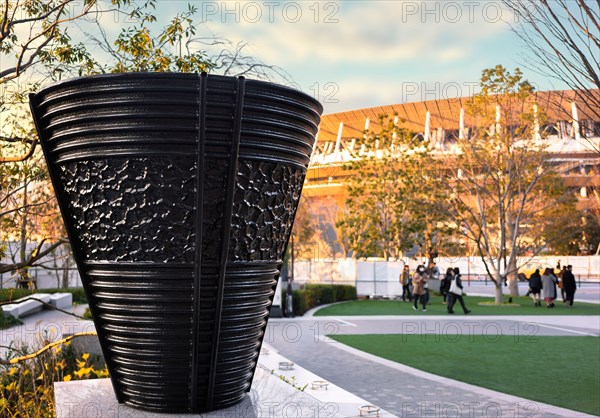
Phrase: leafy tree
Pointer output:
(36, 42)
(570, 231)
(502, 183)
(303, 232)
(391, 206)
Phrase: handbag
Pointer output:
(454, 288)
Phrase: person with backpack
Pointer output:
(445, 284)
(455, 293)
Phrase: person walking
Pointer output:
(445, 284)
(535, 287)
(419, 279)
(455, 293)
(569, 285)
(561, 285)
(405, 282)
(549, 287)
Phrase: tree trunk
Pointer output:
(498, 294)
(65, 276)
(23, 232)
(513, 279)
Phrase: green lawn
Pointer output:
(561, 371)
(396, 307)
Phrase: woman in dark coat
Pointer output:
(569, 285)
(535, 286)
(445, 284)
(456, 295)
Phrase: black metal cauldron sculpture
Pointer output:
(178, 192)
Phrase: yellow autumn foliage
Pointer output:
(27, 388)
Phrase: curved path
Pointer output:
(408, 392)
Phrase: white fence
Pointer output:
(381, 277)
(43, 278)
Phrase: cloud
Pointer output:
(382, 32)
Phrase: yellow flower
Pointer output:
(82, 372)
(12, 371)
(80, 364)
(40, 377)
(101, 373)
(11, 386)
(67, 378)
(85, 356)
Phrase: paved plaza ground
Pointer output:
(398, 389)
(405, 391)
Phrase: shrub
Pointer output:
(27, 387)
(7, 321)
(318, 294)
(77, 292)
(298, 302)
(7, 295)
(345, 292)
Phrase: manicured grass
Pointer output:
(561, 371)
(396, 307)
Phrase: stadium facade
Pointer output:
(571, 133)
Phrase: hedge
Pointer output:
(10, 294)
(78, 293)
(7, 295)
(318, 294)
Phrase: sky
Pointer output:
(357, 54)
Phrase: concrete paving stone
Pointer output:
(397, 388)
(417, 393)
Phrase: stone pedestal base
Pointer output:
(268, 397)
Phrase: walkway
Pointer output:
(401, 390)
(405, 391)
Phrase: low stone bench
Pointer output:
(61, 300)
(20, 309)
(11, 310)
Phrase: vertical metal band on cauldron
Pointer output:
(178, 193)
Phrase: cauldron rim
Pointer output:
(172, 75)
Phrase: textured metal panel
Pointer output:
(178, 192)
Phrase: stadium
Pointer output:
(571, 133)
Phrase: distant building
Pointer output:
(572, 134)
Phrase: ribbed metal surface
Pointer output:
(178, 192)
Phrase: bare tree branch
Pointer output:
(34, 256)
(22, 157)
